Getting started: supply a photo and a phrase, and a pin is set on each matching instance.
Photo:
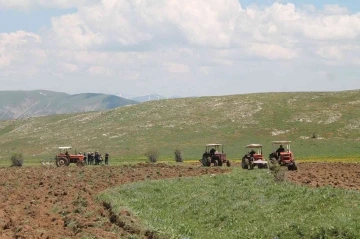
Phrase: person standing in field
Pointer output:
(89, 158)
(97, 157)
(85, 158)
(107, 159)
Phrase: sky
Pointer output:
(183, 48)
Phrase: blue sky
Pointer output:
(204, 47)
(13, 20)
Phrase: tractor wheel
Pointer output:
(295, 166)
(206, 161)
(62, 161)
(216, 163)
(80, 163)
(273, 160)
(220, 162)
(228, 163)
(265, 165)
(260, 165)
(245, 163)
(292, 167)
(251, 165)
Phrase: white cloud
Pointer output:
(31, 4)
(344, 53)
(334, 9)
(98, 70)
(131, 43)
(12, 43)
(118, 24)
(69, 68)
(272, 51)
(18, 38)
(176, 68)
(72, 32)
(126, 24)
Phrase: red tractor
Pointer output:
(283, 155)
(253, 157)
(214, 156)
(63, 158)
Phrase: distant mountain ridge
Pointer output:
(22, 104)
(148, 98)
(145, 98)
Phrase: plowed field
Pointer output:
(39, 202)
(341, 175)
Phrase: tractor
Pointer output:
(213, 156)
(283, 156)
(63, 158)
(253, 157)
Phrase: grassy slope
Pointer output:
(243, 204)
(19, 104)
(190, 123)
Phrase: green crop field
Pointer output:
(320, 125)
(241, 204)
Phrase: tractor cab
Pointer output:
(254, 150)
(214, 149)
(64, 151)
(253, 157)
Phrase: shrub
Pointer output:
(314, 136)
(178, 156)
(17, 159)
(152, 155)
(277, 172)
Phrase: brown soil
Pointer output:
(340, 175)
(38, 202)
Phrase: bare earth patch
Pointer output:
(341, 175)
(59, 202)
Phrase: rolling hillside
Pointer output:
(319, 124)
(21, 104)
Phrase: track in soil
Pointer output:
(39, 202)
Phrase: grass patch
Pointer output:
(242, 204)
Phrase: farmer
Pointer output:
(85, 157)
(212, 151)
(279, 150)
(252, 152)
(106, 159)
(97, 158)
(67, 154)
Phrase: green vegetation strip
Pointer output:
(242, 204)
(117, 162)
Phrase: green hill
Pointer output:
(21, 104)
(319, 124)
